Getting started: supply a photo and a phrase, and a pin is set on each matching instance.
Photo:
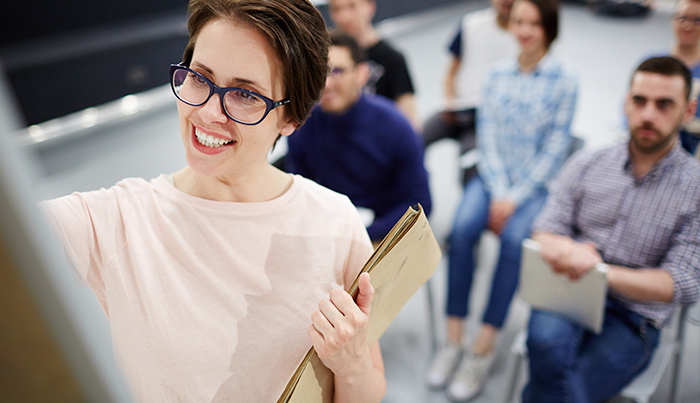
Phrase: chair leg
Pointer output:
(513, 378)
(674, 395)
(432, 331)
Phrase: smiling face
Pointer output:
(656, 107)
(232, 55)
(526, 25)
(685, 15)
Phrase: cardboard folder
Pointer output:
(405, 259)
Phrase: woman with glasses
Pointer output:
(523, 137)
(218, 278)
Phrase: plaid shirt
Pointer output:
(648, 222)
(523, 127)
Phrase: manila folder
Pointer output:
(405, 259)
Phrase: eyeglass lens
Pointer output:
(695, 21)
(240, 105)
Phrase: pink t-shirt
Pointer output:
(208, 300)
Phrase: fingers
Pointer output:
(330, 312)
(495, 221)
(496, 224)
(340, 314)
(590, 247)
(339, 327)
(365, 294)
(340, 306)
(576, 272)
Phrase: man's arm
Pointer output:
(575, 259)
(652, 284)
(407, 105)
(410, 183)
(450, 82)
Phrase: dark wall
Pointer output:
(64, 56)
(388, 9)
(394, 8)
(23, 21)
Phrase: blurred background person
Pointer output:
(686, 48)
(523, 135)
(388, 72)
(482, 39)
(636, 207)
(360, 145)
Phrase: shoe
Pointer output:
(443, 365)
(470, 377)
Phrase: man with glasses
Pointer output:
(360, 144)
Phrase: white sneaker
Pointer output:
(470, 376)
(443, 364)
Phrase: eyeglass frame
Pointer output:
(682, 19)
(215, 89)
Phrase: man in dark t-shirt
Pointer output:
(389, 74)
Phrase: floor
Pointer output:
(602, 50)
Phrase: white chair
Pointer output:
(668, 353)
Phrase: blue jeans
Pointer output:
(570, 364)
(470, 222)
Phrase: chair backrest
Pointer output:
(577, 143)
(667, 356)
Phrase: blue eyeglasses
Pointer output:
(240, 105)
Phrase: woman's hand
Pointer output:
(499, 213)
(339, 330)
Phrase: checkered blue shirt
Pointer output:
(648, 222)
(523, 127)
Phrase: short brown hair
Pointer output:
(669, 67)
(296, 31)
(346, 41)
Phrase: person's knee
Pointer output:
(468, 226)
(465, 234)
(550, 342)
(434, 129)
(512, 240)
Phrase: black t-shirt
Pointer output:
(389, 74)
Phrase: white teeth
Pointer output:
(209, 140)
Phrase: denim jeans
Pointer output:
(570, 364)
(470, 222)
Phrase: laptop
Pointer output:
(582, 301)
(32, 254)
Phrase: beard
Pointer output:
(647, 145)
